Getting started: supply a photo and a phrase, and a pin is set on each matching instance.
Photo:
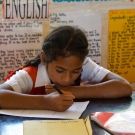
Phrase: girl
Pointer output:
(62, 61)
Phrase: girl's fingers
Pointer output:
(68, 98)
(50, 89)
(68, 95)
(68, 103)
(48, 86)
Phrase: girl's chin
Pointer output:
(64, 85)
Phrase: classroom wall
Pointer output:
(92, 6)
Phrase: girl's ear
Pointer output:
(42, 57)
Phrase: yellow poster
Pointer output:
(121, 50)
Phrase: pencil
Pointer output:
(57, 88)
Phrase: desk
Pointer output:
(12, 125)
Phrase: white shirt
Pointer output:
(21, 82)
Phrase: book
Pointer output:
(57, 127)
(121, 123)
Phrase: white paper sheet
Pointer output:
(74, 112)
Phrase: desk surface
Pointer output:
(12, 125)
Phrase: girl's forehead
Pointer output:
(68, 62)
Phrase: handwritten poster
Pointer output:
(121, 56)
(19, 42)
(89, 22)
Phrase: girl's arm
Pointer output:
(111, 86)
(54, 101)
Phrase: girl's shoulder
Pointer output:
(89, 62)
(30, 69)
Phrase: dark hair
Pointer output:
(63, 41)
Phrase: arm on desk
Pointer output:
(112, 86)
(54, 101)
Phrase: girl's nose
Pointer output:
(67, 78)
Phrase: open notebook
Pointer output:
(122, 123)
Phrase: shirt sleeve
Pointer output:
(20, 82)
(93, 72)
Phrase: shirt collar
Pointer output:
(42, 76)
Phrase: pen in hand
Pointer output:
(57, 88)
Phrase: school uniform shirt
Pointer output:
(32, 80)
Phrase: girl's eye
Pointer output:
(76, 72)
(60, 71)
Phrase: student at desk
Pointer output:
(63, 60)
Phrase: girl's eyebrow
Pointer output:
(66, 69)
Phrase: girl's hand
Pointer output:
(59, 102)
(49, 89)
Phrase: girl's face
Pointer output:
(64, 71)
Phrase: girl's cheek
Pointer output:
(55, 77)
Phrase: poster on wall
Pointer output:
(25, 10)
(21, 32)
(89, 22)
(121, 55)
(19, 42)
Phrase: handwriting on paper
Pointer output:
(10, 34)
(20, 41)
(121, 59)
(13, 59)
